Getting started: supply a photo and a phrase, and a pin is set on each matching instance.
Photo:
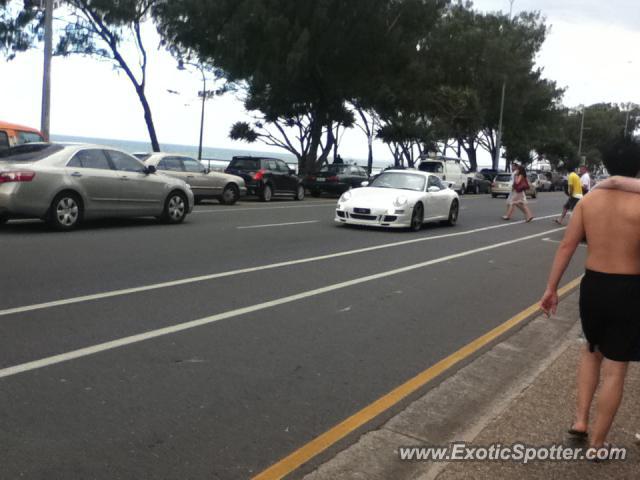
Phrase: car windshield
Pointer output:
(431, 167)
(28, 137)
(245, 163)
(29, 152)
(503, 177)
(333, 168)
(403, 181)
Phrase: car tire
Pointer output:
(299, 196)
(267, 193)
(3, 219)
(175, 208)
(476, 190)
(494, 195)
(65, 212)
(230, 195)
(316, 193)
(454, 211)
(417, 218)
(463, 189)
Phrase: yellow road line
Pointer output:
(321, 443)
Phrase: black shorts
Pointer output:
(610, 314)
(571, 203)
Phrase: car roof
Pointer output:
(408, 170)
(15, 126)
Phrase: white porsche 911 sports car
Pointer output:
(399, 199)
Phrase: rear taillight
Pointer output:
(312, 178)
(332, 179)
(259, 175)
(17, 176)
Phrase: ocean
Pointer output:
(211, 155)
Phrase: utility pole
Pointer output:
(45, 118)
(581, 134)
(496, 160)
(204, 99)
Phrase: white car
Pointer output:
(449, 170)
(399, 199)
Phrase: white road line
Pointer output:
(203, 278)
(232, 210)
(121, 342)
(550, 240)
(278, 224)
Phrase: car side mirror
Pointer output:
(433, 189)
(149, 169)
(364, 184)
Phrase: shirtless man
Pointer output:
(609, 217)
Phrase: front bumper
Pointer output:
(374, 217)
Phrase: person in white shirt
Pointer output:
(585, 179)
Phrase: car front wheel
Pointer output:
(299, 193)
(230, 195)
(417, 218)
(175, 208)
(65, 212)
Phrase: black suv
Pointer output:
(267, 177)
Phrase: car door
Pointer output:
(437, 199)
(289, 180)
(203, 185)
(274, 175)
(91, 173)
(140, 194)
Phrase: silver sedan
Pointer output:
(204, 183)
(65, 184)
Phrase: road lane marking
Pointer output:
(278, 224)
(233, 210)
(230, 273)
(550, 240)
(319, 444)
(102, 347)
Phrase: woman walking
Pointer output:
(518, 196)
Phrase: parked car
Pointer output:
(65, 184)
(503, 184)
(335, 179)
(478, 183)
(489, 173)
(542, 182)
(12, 135)
(532, 191)
(399, 199)
(448, 170)
(205, 184)
(267, 177)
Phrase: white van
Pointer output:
(449, 170)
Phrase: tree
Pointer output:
(301, 61)
(98, 28)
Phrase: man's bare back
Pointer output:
(611, 221)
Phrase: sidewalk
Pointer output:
(520, 391)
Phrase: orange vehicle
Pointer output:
(12, 134)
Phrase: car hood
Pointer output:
(382, 195)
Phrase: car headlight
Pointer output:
(400, 201)
(345, 197)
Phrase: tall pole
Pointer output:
(626, 122)
(581, 134)
(204, 99)
(496, 160)
(45, 118)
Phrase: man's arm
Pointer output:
(572, 238)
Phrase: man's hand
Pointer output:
(549, 302)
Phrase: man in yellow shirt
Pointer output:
(575, 194)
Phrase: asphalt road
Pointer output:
(214, 348)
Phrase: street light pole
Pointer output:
(204, 99)
(45, 112)
(504, 89)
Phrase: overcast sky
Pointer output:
(592, 50)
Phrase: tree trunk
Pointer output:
(155, 145)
